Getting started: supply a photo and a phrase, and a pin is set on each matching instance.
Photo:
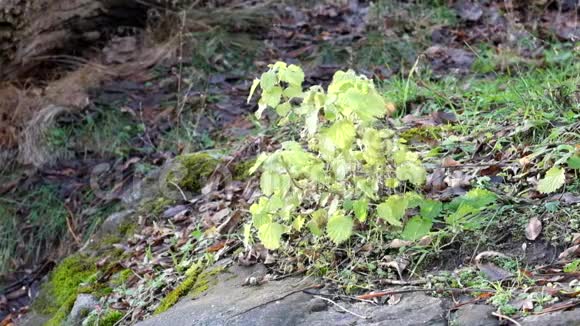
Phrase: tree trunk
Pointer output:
(30, 30)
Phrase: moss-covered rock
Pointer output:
(197, 281)
(58, 295)
(182, 289)
(110, 318)
(241, 170)
(192, 170)
(205, 280)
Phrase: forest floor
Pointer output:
(146, 188)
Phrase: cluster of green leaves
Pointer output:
(346, 170)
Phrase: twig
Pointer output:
(384, 293)
(70, 226)
(342, 308)
(178, 188)
(506, 318)
(400, 282)
(315, 286)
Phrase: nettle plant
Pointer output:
(345, 170)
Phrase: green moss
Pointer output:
(241, 170)
(128, 228)
(61, 314)
(96, 289)
(122, 277)
(182, 289)
(204, 281)
(157, 206)
(193, 169)
(110, 318)
(63, 283)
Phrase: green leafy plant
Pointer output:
(347, 170)
(346, 164)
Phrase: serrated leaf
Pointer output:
(574, 162)
(283, 109)
(412, 172)
(293, 75)
(255, 84)
(339, 227)
(368, 187)
(416, 228)
(413, 199)
(314, 228)
(259, 161)
(272, 96)
(360, 208)
(552, 181)
(367, 106)
(271, 182)
(341, 134)
(270, 235)
(293, 91)
(430, 208)
(393, 210)
(311, 121)
(298, 223)
(268, 80)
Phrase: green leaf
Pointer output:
(272, 182)
(479, 198)
(293, 91)
(430, 208)
(341, 134)
(270, 235)
(552, 181)
(298, 223)
(260, 215)
(255, 84)
(461, 214)
(412, 172)
(574, 162)
(311, 121)
(360, 208)
(247, 232)
(272, 96)
(259, 161)
(283, 109)
(393, 210)
(293, 75)
(413, 199)
(416, 228)
(367, 106)
(268, 80)
(339, 227)
(368, 187)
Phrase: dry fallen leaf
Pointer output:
(449, 162)
(493, 272)
(570, 252)
(533, 229)
(398, 243)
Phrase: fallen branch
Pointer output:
(342, 308)
(384, 293)
(500, 316)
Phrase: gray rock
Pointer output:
(230, 303)
(115, 220)
(84, 304)
(561, 318)
(475, 315)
